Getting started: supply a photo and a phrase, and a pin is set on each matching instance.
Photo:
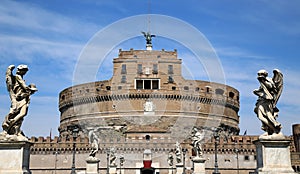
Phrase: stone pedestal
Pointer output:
(149, 47)
(199, 165)
(273, 156)
(14, 157)
(179, 168)
(92, 165)
(113, 169)
(171, 170)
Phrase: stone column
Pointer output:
(14, 157)
(273, 156)
(179, 168)
(92, 165)
(199, 165)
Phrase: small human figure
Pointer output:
(112, 157)
(197, 137)
(268, 94)
(122, 160)
(94, 142)
(19, 94)
(170, 158)
(178, 152)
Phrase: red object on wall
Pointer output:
(147, 163)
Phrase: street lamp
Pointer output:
(122, 160)
(184, 150)
(75, 130)
(236, 150)
(217, 139)
(107, 159)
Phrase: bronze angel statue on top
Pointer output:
(19, 94)
(148, 37)
(268, 94)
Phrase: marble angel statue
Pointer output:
(268, 95)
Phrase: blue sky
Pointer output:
(247, 35)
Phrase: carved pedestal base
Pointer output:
(273, 156)
(171, 170)
(179, 168)
(92, 165)
(199, 165)
(113, 169)
(14, 157)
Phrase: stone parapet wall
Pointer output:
(243, 143)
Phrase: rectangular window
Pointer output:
(139, 84)
(170, 69)
(155, 84)
(147, 84)
(155, 69)
(123, 80)
(140, 69)
(123, 71)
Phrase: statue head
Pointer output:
(262, 73)
(22, 69)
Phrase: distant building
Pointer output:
(147, 104)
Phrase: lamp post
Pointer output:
(217, 139)
(75, 130)
(236, 150)
(122, 160)
(184, 150)
(107, 159)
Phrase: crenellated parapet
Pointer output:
(227, 146)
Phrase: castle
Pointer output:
(147, 104)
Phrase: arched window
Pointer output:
(147, 137)
(231, 94)
(219, 91)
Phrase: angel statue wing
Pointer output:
(278, 81)
(10, 79)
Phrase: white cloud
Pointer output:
(19, 14)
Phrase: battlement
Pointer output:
(157, 54)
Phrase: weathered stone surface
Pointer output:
(179, 168)
(273, 156)
(199, 165)
(92, 165)
(14, 157)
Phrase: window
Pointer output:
(186, 88)
(108, 88)
(231, 94)
(155, 69)
(170, 69)
(140, 69)
(123, 80)
(208, 89)
(147, 84)
(139, 84)
(147, 137)
(170, 79)
(155, 84)
(197, 89)
(246, 158)
(219, 91)
(173, 87)
(123, 71)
